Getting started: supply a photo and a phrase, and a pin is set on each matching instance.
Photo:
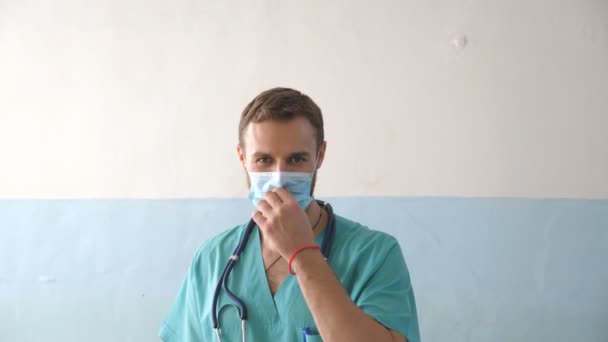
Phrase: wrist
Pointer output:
(294, 248)
(297, 253)
(301, 257)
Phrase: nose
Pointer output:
(280, 166)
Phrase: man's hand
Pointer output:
(284, 224)
(286, 228)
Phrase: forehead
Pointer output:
(279, 137)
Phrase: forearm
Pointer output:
(336, 316)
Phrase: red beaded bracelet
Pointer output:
(293, 256)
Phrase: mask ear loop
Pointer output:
(317, 161)
(314, 170)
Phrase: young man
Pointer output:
(362, 292)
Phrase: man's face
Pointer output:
(288, 146)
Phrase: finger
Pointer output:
(273, 199)
(264, 208)
(283, 195)
(258, 218)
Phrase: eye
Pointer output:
(296, 159)
(262, 160)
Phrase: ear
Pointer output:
(322, 149)
(241, 153)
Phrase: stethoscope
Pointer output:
(326, 245)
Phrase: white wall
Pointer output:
(141, 99)
(465, 98)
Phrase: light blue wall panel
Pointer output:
(482, 269)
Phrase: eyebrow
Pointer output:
(300, 154)
(294, 154)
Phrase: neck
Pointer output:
(313, 212)
(316, 216)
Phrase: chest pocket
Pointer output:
(309, 335)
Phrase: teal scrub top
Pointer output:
(368, 263)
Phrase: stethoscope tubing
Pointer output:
(223, 282)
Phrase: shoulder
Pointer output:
(360, 253)
(357, 247)
(218, 247)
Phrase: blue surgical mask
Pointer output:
(297, 183)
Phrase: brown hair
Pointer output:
(282, 104)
